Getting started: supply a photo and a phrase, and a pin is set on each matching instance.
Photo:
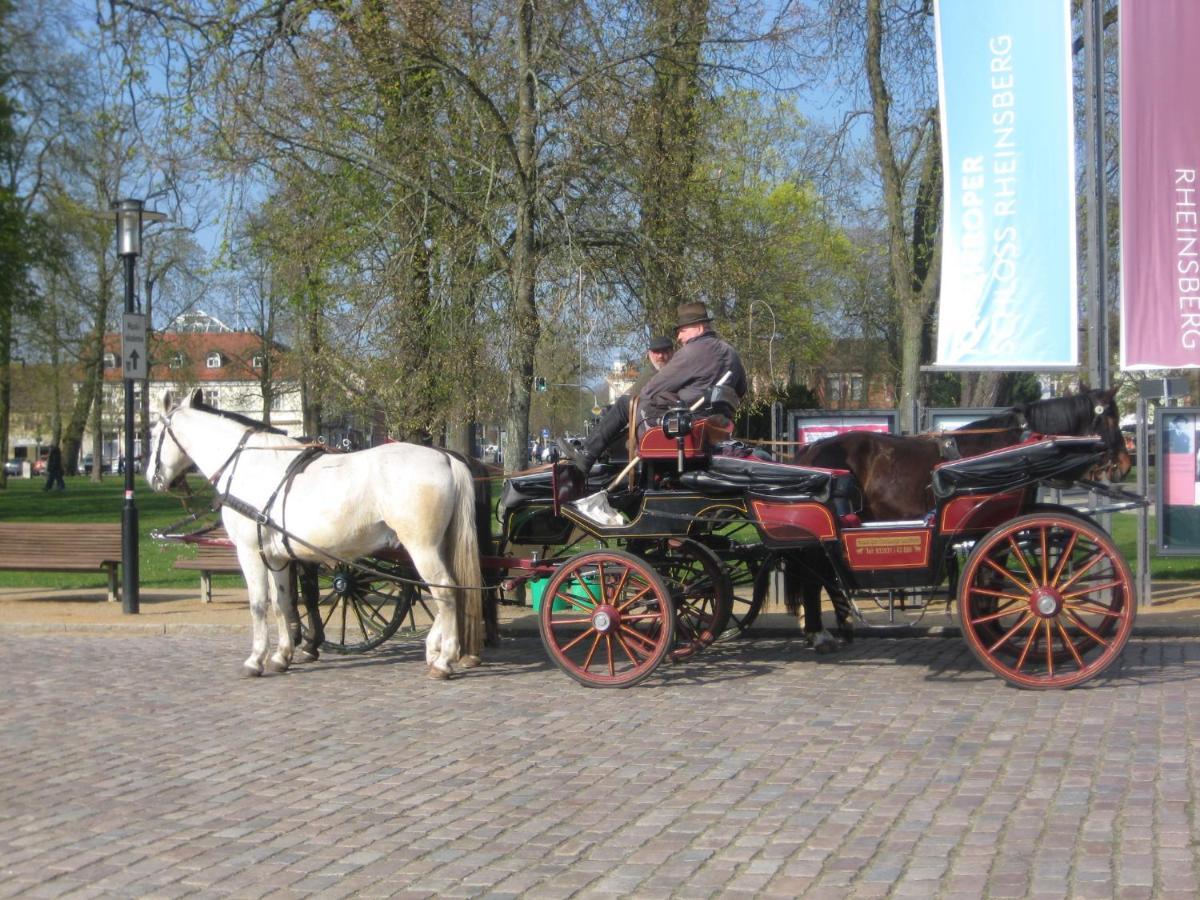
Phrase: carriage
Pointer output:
(1043, 596)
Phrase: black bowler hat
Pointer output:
(661, 345)
(692, 314)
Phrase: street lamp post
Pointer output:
(130, 216)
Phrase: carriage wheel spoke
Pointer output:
(1000, 595)
(1093, 588)
(1009, 575)
(1068, 643)
(1049, 648)
(1020, 555)
(999, 614)
(583, 634)
(617, 639)
(1096, 557)
(587, 662)
(582, 581)
(1065, 558)
(1092, 608)
(358, 617)
(576, 602)
(1029, 643)
(1083, 626)
(1008, 634)
(635, 598)
(1045, 560)
(637, 637)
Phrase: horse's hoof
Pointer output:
(250, 671)
(438, 674)
(470, 661)
(276, 666)
(305, 655)
(823, 642)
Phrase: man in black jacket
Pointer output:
(699, 364)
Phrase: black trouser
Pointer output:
(610, 427)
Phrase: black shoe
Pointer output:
(579, 458)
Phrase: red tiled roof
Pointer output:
(237, 349)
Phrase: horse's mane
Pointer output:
(239, 418)
(1063, 415)
(1075, 414)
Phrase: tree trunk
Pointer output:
(669, 154)
(523, 315)
(913, 299)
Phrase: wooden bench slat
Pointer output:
(62, 546)
(210, 559)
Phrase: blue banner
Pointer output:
(1008, 291)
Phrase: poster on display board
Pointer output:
(952, 418)
(1178, 433)
(808, 425)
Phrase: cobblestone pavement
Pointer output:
(143, 766)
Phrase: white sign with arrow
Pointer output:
(133, 346)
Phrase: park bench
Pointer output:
(62, 547)
(211, 558)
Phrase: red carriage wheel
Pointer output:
(1046, 600)
(606, 618)
(701, 592)
(735, 541)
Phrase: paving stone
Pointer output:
(139, 766)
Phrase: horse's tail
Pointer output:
(464, 560)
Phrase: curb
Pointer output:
(131, 629)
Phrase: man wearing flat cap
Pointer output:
(698, 365)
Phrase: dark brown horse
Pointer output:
(894, 472)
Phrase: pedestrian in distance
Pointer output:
(54, 471)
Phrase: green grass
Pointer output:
(83, 501)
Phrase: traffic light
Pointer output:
(539, 383)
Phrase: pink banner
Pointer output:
(1160, 194)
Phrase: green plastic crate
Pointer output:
(537, 587)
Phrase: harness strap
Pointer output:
(295, 467)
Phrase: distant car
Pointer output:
(85, 465)
(13, 467)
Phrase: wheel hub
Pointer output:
(342, 583)
(1046, 602)
(606, 618)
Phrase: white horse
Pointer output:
(347, 504)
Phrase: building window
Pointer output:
(176, 361)
(257, 361)
(212, 397)
(214, 360)
(843, 387)
(110, 360)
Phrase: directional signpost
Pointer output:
(133, 347)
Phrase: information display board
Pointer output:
(808, 425)
(952, 418)
(1177, 431)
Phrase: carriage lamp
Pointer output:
(130, 215)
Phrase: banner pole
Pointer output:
(1097, 237)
